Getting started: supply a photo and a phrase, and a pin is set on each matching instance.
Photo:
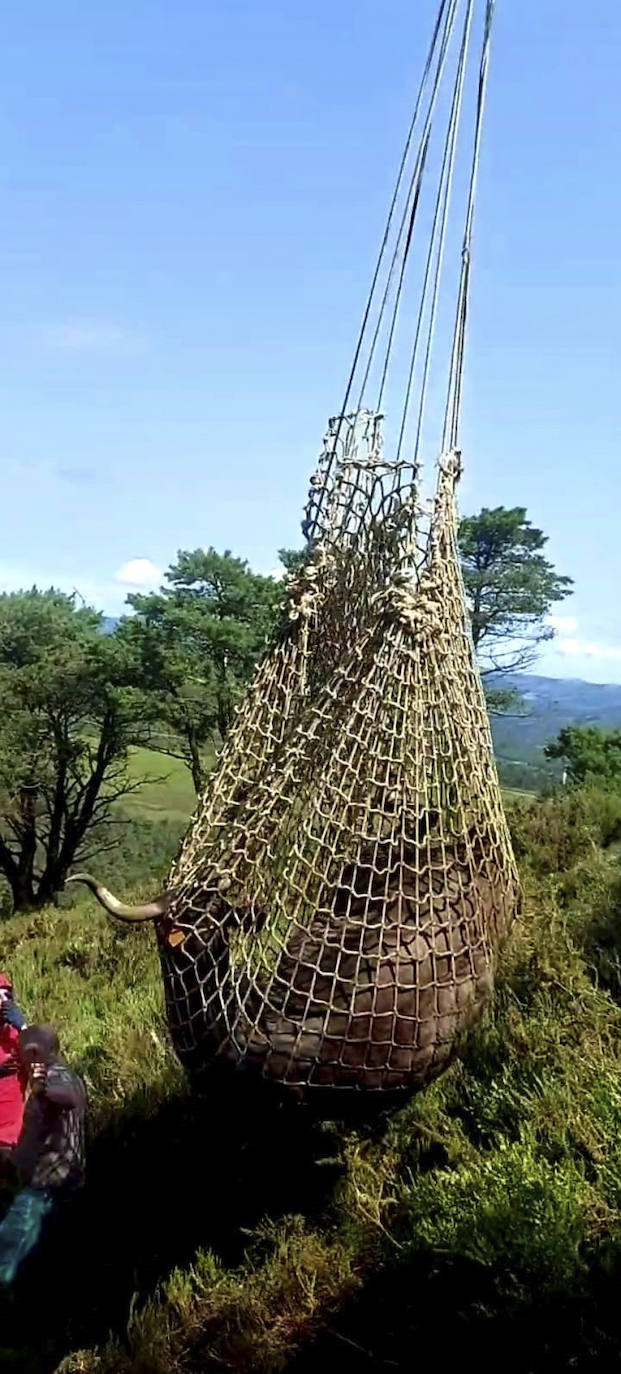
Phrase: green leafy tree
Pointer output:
(197, 641)
(588, 754)
(511, 587)
(68, 719)
(292, 560)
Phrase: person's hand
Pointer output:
(38, 1078)
(10, 1016)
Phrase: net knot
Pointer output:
(303, 608)
(307, 586)
(417, 609)
(450, 464)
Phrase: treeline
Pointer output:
(76, 701)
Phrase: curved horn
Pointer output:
(147, 912)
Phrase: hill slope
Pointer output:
(236, 1234)
(547, 705)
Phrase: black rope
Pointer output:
(441, 216)
(391, 335)
(446, 12)
(429, 89)
(455, 387)
(409, 213)
(419, 100)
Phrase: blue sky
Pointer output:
(193, 196)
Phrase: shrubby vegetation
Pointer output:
(589, 754)
(224, 1235)
(484, 1216)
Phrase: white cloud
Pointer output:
(91, 336)
(102, 595)
(582, 648)
(277, 574)
(562, 624)
(139, 572)
(569, 644)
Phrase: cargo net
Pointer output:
(348, 879)
(338, 904)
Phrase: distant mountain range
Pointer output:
(547, 704)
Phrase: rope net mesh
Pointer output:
(339, 901)
(349, 874)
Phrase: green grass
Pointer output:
(167, 791)
(486, 1213)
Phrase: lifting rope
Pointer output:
(334, 915)
(340, 899)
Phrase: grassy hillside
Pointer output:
(167, 791)
(218, 1235)
(547, 705)
(155, 818)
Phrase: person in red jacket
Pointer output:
(49, 1157)
(13, 1076)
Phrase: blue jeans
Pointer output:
(21, 1229)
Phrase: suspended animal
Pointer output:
(379, 999)
(334, 916)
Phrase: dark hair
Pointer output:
(43, 1039)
